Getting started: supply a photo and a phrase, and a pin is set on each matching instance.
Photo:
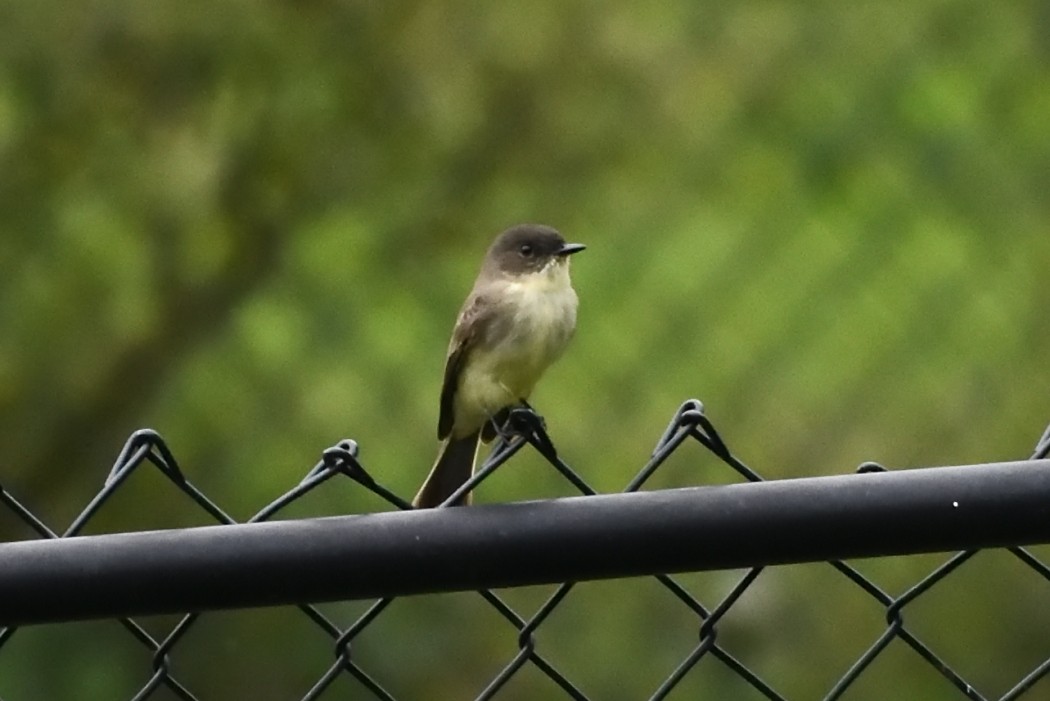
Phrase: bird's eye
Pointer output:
(526, 249)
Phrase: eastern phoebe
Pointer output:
(516, 321)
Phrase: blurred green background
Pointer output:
(250, 226)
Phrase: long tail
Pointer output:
(453, 467)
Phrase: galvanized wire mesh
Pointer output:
(146, 449)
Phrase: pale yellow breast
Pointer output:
(544, 317)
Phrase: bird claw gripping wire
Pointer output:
(521, 425)
(525, 422)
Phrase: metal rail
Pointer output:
(522, 543)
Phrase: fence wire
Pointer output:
(146, 449)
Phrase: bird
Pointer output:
(516, 321)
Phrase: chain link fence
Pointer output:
(1002, 520)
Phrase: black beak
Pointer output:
(567, 249)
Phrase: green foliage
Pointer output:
(250, 225)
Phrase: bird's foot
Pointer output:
(525, 422)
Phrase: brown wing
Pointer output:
(471, 325)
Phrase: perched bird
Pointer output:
(516, 321)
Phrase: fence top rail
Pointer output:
(523, 543)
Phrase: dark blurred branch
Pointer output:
(190, 313)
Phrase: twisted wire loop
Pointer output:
(524, 428)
